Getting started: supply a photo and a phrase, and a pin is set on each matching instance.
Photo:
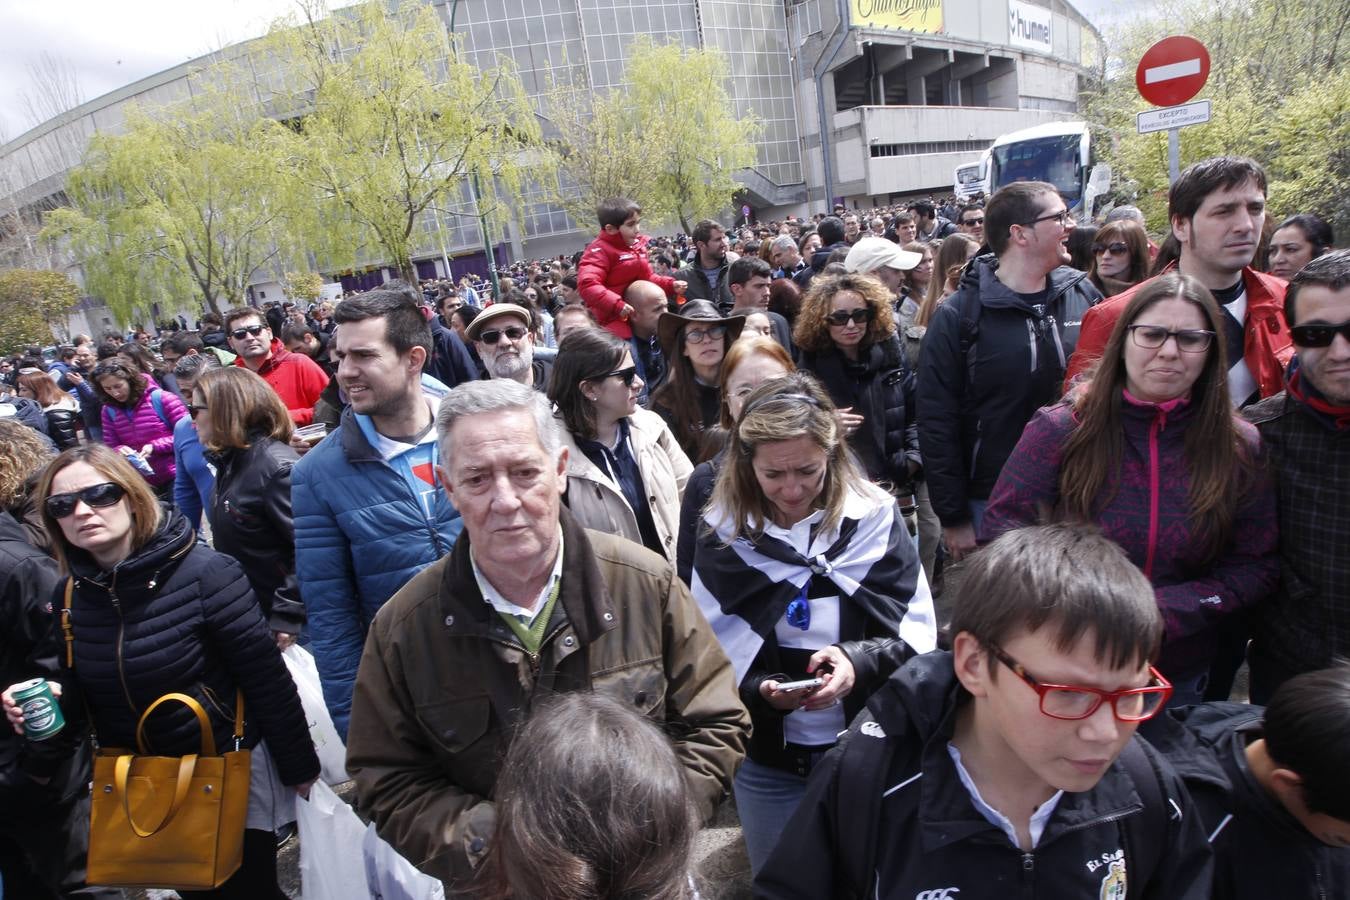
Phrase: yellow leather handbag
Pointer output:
(168, 821)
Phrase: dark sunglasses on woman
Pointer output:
(96, 496)
(843, 317)
(627, 376)
(1119, 248)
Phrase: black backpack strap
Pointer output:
(865, 756)
(1146, 834)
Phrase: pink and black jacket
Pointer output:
(1148, 514)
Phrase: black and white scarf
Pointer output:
(744, 589)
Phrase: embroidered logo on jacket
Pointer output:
(1113, 882)
(946, 893)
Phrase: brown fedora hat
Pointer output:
(700, 311)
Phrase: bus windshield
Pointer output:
(1052, 159)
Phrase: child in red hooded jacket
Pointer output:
(613, 261)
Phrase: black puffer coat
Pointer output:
(177, 616)
(880, 388)
(250, 517)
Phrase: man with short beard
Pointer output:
(501, 334)
(367, 510)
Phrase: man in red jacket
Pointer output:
(1216, 209)
(296, 378)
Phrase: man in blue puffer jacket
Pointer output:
(368, 514)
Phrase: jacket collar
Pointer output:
(584, 596)
(148, 565)
(616, 241)
(997, 295)
(918, 705)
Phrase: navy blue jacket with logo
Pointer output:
(931, 843)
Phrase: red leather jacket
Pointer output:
(1267, 346)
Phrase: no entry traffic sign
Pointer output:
(1172, 71)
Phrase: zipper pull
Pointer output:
(1028, 866)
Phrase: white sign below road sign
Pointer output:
(1196, 113)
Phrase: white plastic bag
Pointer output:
(331, 837)
(332, 753)
(391, 877)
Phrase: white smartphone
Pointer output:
(807, 684)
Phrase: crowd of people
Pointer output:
(934, 536)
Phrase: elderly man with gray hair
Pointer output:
(528, 603)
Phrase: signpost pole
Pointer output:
(1173, 154)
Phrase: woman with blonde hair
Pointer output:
(154, 611)
(953, 254)
(806, 571)
(1151, 452)
(246, 431)
(750, 362)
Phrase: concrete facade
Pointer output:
(899, 107)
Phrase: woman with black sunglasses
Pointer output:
(154, 611)
(847, 336)
(625, 470)
(1151, 452)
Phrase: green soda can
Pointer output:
(41, 713)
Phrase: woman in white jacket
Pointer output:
(625, 470)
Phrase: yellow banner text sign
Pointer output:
(906, 15)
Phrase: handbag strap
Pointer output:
(238, 718)
(208, 739)
(66, 627)
(122, 769)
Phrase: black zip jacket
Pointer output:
(1260, 850)
(178, 616)
(972, 407)
(251, 520)
(28, 649)
(931, 842)
(880, 388)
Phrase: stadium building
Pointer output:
(863, 101)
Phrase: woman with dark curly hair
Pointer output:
(1297, 241)
(846, 334)
(138, 419)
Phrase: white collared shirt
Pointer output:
(1039, 818)
(495, 599)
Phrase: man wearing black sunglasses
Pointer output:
(296, 378)
(1306, 431)
(501, 334)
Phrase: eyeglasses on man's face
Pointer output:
(240, 333)
(1317, 335)
(1072, 702)
(1063, 218)
(512, 332)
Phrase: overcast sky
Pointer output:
(111, 44)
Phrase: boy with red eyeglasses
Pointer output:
(1008, 767)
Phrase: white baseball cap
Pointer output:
(871, 253)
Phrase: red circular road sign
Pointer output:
(1172, 71)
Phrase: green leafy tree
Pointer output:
(388, 122)
(1276, 73)
(691, 135)
(189, 201)
(302, 287)
(600, 152)
(33, 306)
